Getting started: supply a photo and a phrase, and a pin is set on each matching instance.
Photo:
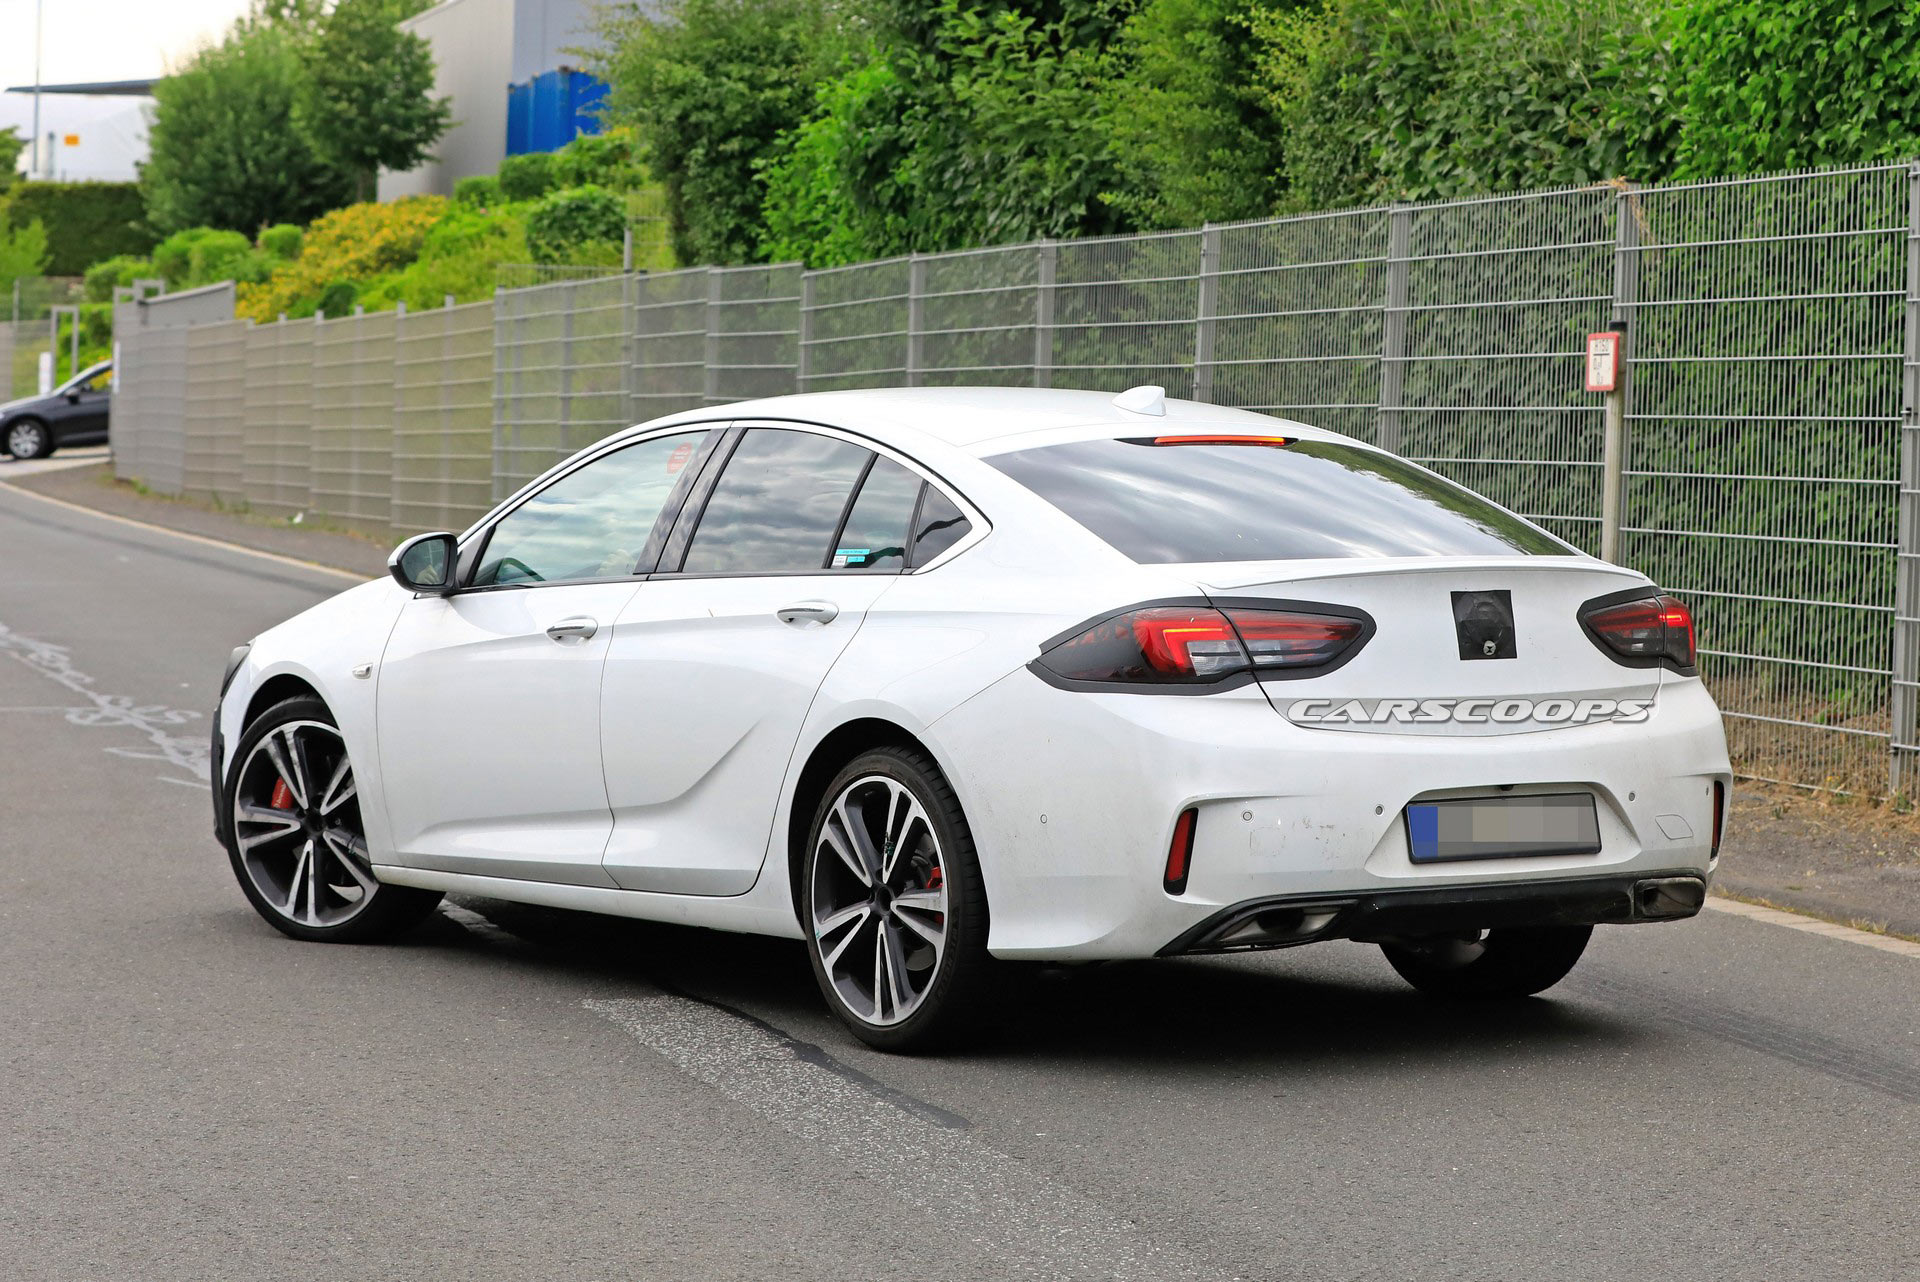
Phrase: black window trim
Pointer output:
(694, 509)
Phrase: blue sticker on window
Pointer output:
(844, 557)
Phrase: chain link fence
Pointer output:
(1771, 474)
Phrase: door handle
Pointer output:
(578, 628)
(808, 612)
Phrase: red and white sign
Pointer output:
(1603, 362)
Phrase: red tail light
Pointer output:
(1644, 631)
(1180, 852)
(1199, 645)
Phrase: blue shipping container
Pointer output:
(550, 110)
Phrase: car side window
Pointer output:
(777, 504)
(592, 523)
(99, 382)
(874, 539)
(939, 526)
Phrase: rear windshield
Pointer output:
(1163, 504)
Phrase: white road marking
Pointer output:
(1814, 926)
(114, 710)
(1032, 1222)
(202, 539)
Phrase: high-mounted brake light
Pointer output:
(1198, 645)
(1223, 440)
(1646, 630)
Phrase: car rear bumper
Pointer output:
(1073, 798)
(1284, 921)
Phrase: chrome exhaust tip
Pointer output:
(1665, 898)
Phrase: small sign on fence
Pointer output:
(1603, 361)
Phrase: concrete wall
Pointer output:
(473, 50)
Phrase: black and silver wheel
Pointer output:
(29, 439)
(295, 836)
(1505, 962)
(895, 911)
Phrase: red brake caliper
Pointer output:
(282, 796)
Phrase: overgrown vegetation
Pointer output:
(839, 130)
(289, 115)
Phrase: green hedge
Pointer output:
(86, 221)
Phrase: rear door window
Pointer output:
(777, 505)
(1172, 504)
(875, 536)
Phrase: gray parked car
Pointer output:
(75, 413)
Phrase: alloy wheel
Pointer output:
(297, 828)
(23, 440)
(879, 901)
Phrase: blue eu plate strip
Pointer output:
(1423, 831)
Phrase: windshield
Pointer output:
(1178, 503)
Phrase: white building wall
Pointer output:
(473, 50)
(547, 34)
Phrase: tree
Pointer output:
(225, 146)
(711, 86)
(23, 252)
(11, 145)
(366, 99)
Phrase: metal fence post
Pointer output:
(1613, 441)
(1208, 309)
(1393, 328)
(804, 339)
(1049, 270)
(1905, 700)
(710, 363)
(916, 319)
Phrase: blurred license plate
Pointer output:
(1503, 827)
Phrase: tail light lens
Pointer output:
(1180, 852)
(1198, 645)
(1646, 630)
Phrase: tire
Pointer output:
(1507, 962)
(296, 844)
(28, 438)
(930, 922)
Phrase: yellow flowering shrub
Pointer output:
(350, 244)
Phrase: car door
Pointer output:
(86, 420)
(488, 707)
(717, 658)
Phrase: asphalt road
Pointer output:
(523, 1094)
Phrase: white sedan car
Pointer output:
(931, 677)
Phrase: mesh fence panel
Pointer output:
(352, 437)
(854, 326)
(1499, 296)
(1124, 312)
(1291, 316)
(1763, 465)
(562, 360)
(978, 317)
(215, 412)
(277, 456)
(669, 342)
(753, 333)
(442, 418)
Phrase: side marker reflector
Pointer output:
(1180, 852)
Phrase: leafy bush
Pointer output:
(355, 243)
(459, 256)
(1793, 83)
(526, 177)
(85, 221)
(282, 241)
(565, 225)
(23, 252)
(1194, 139)
(221, 255)
(600, 160)
(710, 87)
(338, 298)
(482, 190)
(103, 277)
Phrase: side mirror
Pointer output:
(73, 397)
(424, 563)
